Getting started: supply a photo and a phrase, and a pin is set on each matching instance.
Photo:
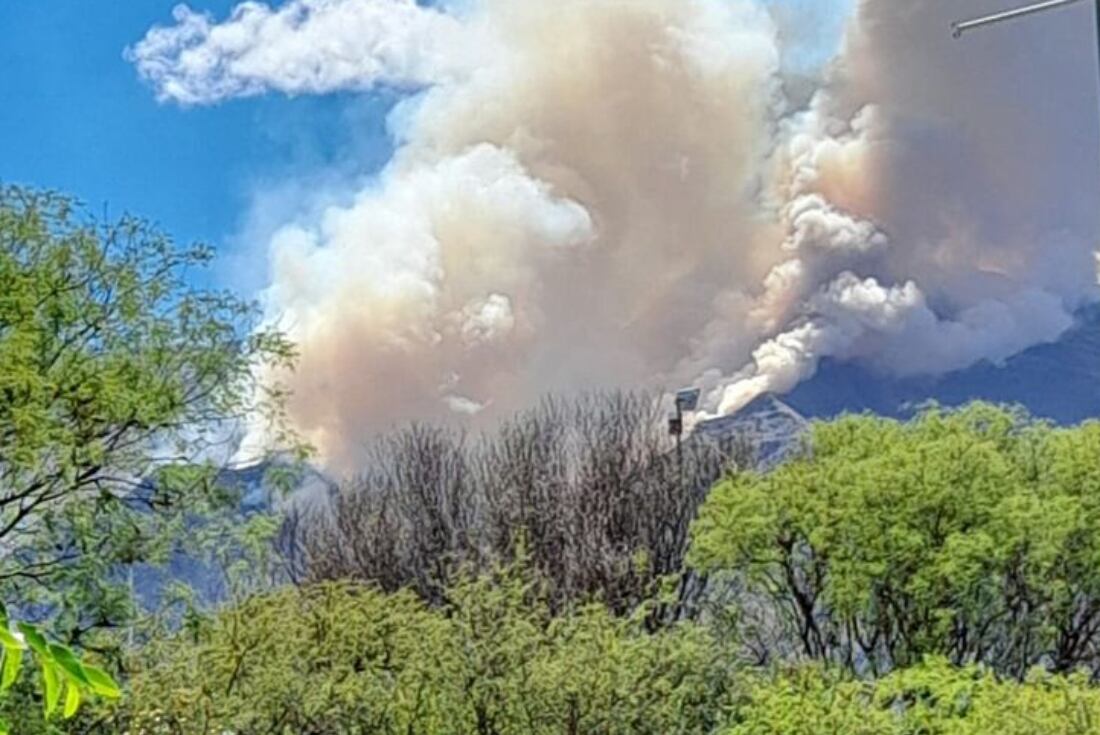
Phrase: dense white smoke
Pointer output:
(591, 193)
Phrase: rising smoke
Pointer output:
(594, 193)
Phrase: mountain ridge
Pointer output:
(1059, 381)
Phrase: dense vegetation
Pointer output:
(495, 660)
(839, 595)
(339, 658)
(568, 572)
(973, 535)
(933, 698)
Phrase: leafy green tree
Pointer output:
(973, 534)
(120, 382)
(933, 698)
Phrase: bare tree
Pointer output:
(590, 487)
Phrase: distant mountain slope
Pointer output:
(256, 495)
(772, 425)
(1059, 381)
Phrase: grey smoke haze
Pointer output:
(592, 193)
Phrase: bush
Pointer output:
(350, 660)
(343, 659)
(932, 699)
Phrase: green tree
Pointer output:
(120, 382)
(933, 698)
(972, 534)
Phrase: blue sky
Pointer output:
(74, 116)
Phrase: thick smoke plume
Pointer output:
(592, 193)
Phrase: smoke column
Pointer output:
(598, 193)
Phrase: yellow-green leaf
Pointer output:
(72, 700)
(13, 660)
(52, 684)
(102, 683)
(69, 664)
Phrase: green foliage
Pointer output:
(60, 671)
(972, 534)
(115, 370)
(352, 660)
(340, 658)
(931, 699)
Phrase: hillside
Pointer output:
(1058, 381)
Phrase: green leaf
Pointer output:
(52, 685)
(72, 700)
(35, 639)
(69, 664)
(13, 660)
(102, 683)
(9, 641)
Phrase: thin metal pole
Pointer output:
(1097, 15)
(679, 439)
(1098, 34)
(960, 28)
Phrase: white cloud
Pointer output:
(303, 47)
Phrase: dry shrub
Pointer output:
(594, 488)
